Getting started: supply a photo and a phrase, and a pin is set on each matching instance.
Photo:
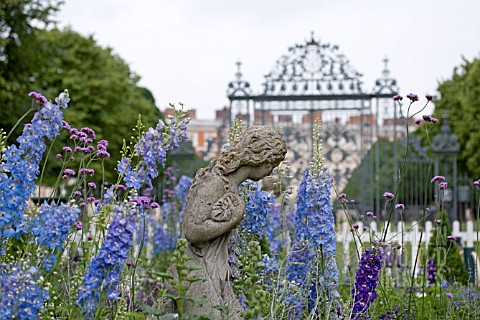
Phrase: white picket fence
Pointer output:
(401, 235)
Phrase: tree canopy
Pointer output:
(460, 99)
(104, 92)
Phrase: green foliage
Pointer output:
(180, 281)
(19, 47)
(257, 296)
(450, 265)
(460, 99)
(102, 86)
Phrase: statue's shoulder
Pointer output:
(211, 181)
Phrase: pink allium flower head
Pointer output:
(443, 185)
(437, 178)
(388, 195)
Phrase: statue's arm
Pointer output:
(211, 220)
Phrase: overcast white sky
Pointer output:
(185, 50)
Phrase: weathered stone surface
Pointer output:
(214, 208)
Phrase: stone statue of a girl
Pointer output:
(214, 208)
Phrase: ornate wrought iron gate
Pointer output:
(315, 80)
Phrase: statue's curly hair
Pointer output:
(256, 145)
(253, 147)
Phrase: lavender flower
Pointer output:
(431, 271)
(366, 280)
(163, 240)
(104, 270)
(19, 172)
(152, 147)
(315, 233)
(182, 187)
(256, 211)
(21, 294)
(53, 223)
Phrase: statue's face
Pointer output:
(261, 171)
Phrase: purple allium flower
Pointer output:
(69, 172)
(397, 98)
(366, 280)
(443, 185)
(388, 195)
(412, 96)
(431, 271)
(428, 118)
(437, 178)
(21, 295)
(429, 97)
(41, 100)
(53, 223)
(87, 172)
(104, 270)
(399, 206)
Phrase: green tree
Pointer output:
(460, 99)
(19, 19)
(104, 91)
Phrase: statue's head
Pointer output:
(257, 146)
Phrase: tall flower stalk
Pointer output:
(312, 263)
(366, 280)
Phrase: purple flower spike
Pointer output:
(366, 280)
